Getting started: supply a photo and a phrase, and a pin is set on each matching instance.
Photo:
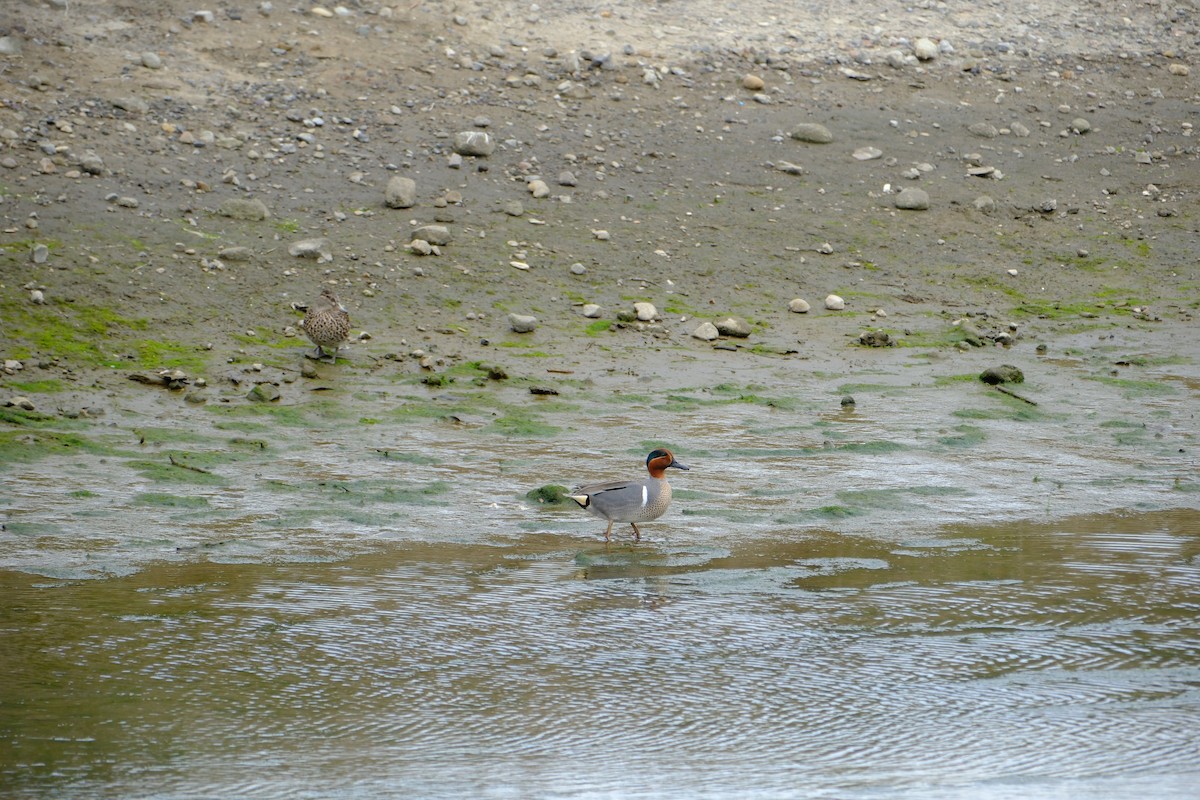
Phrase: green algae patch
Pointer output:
(163, 500)
(46, 386)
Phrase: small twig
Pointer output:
(1011, 393)
(181, 465)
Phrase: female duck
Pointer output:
(631, 501)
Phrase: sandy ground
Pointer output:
(1055, 146)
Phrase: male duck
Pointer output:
(631, 501)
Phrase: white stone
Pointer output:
(834, 303)
(522, 323)
(591, 311)
(646, 312)
(925, 49)
(799, 306)
(706, 331)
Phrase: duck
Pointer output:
(631, 501)
(327, 324)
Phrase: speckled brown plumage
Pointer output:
(327, 324)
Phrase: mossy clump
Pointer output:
(549, 495)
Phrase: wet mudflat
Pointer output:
(941, 590)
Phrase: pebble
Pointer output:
(983, 130)
(732, 326)
(401, 192)
(646, 312)
(799, 306)
(706, 331)
(538, 188)
(474, 143)
(513, 208)
(12, 365)
(578, 269)
(23, 403)
(151, 60)
(567, 178)
(1080, 125)
(10, 46)
(1182, 70)
(36, 297)
(522, 323)
(39, 254)
(868, 153)
(825, 249)
(834, 303)
(591, 311)
(753, 82)
(812, 132)
(912, 200)
(985, 204)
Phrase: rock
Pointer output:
(732, 326)
(513, 208)
(912, 200)
(39, 254)
(799, 306)
(151, 60)
(434, 234)
(474, 143)
(311, 248)
(1080, 125)
(132, 104)
(789, 168)
(578, 269)
(12, 365)
(37, 297)
(985, 204)
(401, 192)
(91, 163)
(834, 303)
(23, 403)
(522, 323)
(1005, 373)
(925, 49)
(646, 312)
(753, 83)
(10, 46)
(812, 133)
(706, 331)
(567, 178)
(239, 208)
(264, 393)
(867, 153)
(420, 247)
(848, 402)
(237, 253)
(538, 188)
(876, 338)
(591, 311)
(983, 130)
(1181, 70)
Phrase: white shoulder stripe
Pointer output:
(645, 495)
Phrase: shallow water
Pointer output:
(938, 593)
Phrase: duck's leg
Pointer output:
(608, 531)
(637, 535)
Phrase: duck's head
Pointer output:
(660, 460)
